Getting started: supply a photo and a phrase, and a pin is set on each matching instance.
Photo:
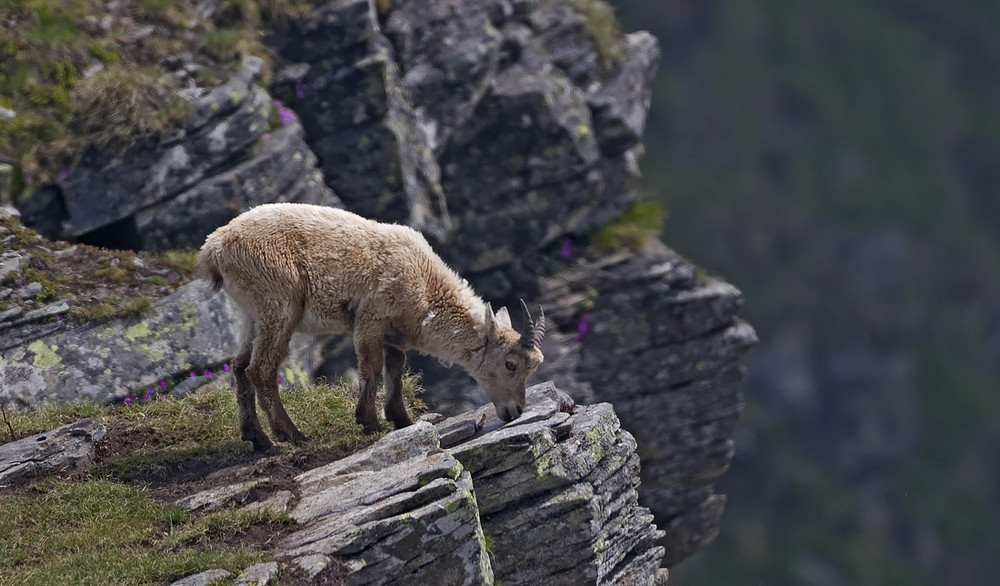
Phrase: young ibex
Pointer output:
(298, 267)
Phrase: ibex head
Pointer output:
(509, 359)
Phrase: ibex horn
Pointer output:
(538, 331)
(532, 332)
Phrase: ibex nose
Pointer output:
(509, 413)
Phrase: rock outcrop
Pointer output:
(679, 395)
(173, 190)
(176, 346)
(549, 498)
(557, 492)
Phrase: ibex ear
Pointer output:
(503, 318)
(488, 320)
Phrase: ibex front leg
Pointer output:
(395, 409)
(368, 345)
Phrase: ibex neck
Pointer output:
(452, 333)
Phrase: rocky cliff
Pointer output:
(506, 131)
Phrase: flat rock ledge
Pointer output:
(402, 511)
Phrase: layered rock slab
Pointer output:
(402, 511)
(557, 492)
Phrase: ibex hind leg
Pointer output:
(250, 429)
(395, 409)
(270, 349)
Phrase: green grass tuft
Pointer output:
(602, 24)
(119, 105)
(633, 230)
(182, 260)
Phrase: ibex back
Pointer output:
(298, 267)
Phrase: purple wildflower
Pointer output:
(208, 373)
(567, 249)
(225, 366)
(582, 326)
(163, 383)
(29, 178)
(284, 114)
(58, 318)
(128, 400)
(280, 379)
(300, 89)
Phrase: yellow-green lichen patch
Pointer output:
(139, 330)
(455, 471)
(45, 357)
(454, 505)
(294, 374)
(156, 351)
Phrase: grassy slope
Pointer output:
(872, 108)
(116, 524)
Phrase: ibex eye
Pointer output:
(511, 366)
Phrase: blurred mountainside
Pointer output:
(840, 162)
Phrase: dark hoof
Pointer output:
(370, 426)
(296, 437)
(260, 443)
(401, 423)
(369, 421)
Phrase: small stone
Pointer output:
(311, 564)
(258, 575)
(276, 503)
(11, 262)
(10, 314)
(68, 446)
(431, 418)
(50, 310)
(31, 289)
(213, 498)
(203, 578)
